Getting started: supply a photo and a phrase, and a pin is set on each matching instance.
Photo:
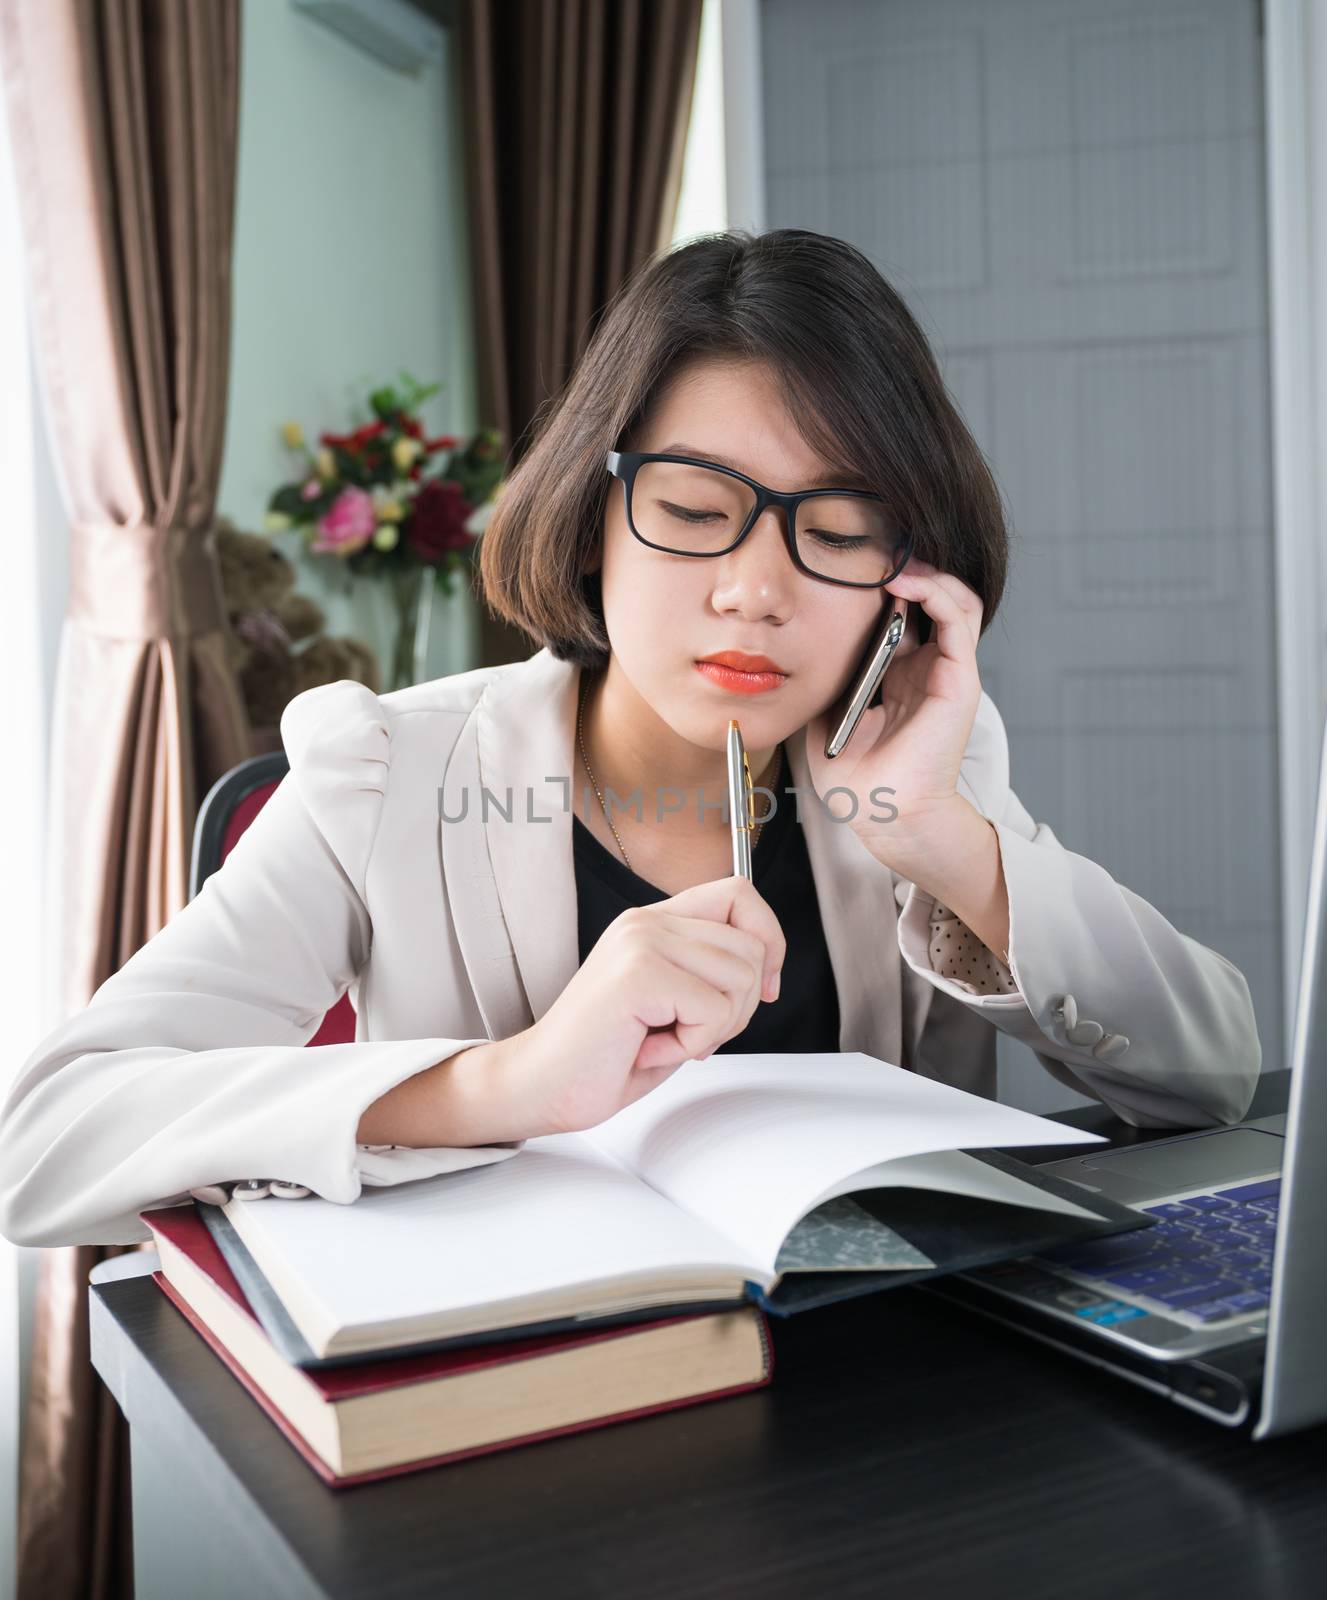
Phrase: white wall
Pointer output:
(350, 264)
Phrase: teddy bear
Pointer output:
(276, 643)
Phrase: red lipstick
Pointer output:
(740, 673)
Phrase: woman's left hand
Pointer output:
(912, 743)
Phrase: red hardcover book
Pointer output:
(375, 1419)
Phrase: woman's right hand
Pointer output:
(665, 983)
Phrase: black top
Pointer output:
(805, 1017)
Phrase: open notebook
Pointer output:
(727, 1182)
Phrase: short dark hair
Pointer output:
(866, 394)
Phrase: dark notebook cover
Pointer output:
(956, 1231)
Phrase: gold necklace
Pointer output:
(580, 739)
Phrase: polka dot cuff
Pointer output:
(958, 954)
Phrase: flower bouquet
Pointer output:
(387, 501)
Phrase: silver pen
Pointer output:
(741, 801)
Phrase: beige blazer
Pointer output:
(379, 866)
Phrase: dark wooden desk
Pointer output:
(906, 1447)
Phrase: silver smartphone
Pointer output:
(869, 675)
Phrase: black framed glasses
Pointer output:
(686, 507)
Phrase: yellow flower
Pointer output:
(404, 452)
(276, 522)
(325, 462)
(293, 434)
(386, 536)
(386, 505)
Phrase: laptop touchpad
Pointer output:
(1227, 1156)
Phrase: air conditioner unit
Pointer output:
(392, 30)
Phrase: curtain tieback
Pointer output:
(145, 582)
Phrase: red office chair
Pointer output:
(231, 804)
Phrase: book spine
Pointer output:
(766, 1342)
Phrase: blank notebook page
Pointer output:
(752, 1142)
(556, 1213)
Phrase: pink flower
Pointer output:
(311, 490)
(348, 524)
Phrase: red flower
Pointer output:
(444, 441)
(411, 425)
(437, 523)
(353, 441)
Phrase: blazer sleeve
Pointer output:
(189, 1066)
(1114, 1001)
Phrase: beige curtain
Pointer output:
(574, 120)
(123, 118)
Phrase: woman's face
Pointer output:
(665, 612)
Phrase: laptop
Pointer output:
(1219, 1305)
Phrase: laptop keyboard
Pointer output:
(1207, 1259)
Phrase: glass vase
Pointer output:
(412, 590)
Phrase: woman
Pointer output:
(521, 963)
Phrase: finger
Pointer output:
(967, 598)
(751, 912)
(723, 936)
(736, 900)
(728, 974)
(646, 1074)
(967, 604)
(964, 593)
(693, 1016)
(955, 630)
(733, 972)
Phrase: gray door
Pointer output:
(1070, 197)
